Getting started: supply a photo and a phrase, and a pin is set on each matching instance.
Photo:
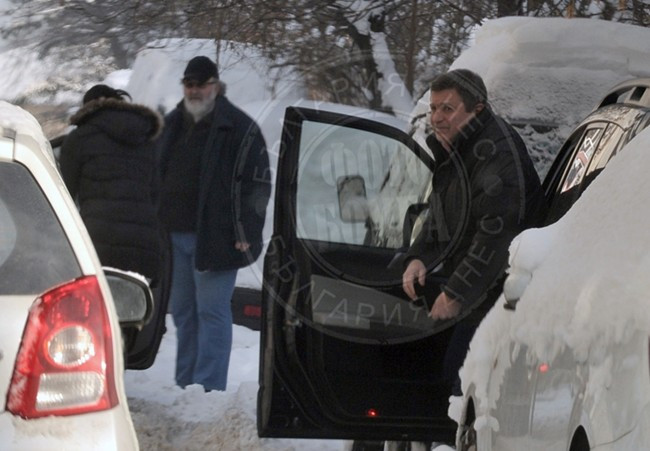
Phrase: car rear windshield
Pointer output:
(34, 251)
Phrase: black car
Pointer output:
(343, 354)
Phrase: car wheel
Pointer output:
(579, 441)
(367, 445)
(468, 439)
(468, 433)
(389, 446)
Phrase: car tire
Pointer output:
(468, 438)
(579, 442)
(367, 445)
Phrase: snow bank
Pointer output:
(167, 417)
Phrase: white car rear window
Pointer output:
(35, 254)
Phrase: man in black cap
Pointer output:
(215, 188)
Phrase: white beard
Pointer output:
(199, 108)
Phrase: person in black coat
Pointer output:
(215, 189)
(108, 163)
(485, 191)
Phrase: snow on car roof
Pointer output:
(552, 69)
(21, 122)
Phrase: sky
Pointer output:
(550, 70)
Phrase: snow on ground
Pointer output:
(167, 417)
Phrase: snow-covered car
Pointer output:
(344, 355)
(561, 362)
(61, 362)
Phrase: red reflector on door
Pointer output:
(372, 413)
(253, 310)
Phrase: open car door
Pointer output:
(344, 353)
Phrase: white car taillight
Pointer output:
(65, 362)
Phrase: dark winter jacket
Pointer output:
(108, 164)
(233, 185)
(484, 193)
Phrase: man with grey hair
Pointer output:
(485, 191)
(215, 189)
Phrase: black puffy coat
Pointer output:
(234, 182)
(109, 166)
(485, 192)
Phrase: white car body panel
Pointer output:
(104, 430)
(12, 322)
(567, 395)
(108, 430)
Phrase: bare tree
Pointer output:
(121, 26)
(331, 43)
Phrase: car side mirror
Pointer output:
(132, 297)
(353, 205)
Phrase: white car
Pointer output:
(561, 361)
(61, 362)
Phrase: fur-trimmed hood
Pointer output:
(124, 121)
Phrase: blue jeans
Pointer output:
(200, 305)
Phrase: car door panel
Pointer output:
(344, 352)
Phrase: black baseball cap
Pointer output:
(200, 69)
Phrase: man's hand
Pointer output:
(242, 246)
(445, 307)
(414, 271)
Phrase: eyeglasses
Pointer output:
(190, 84)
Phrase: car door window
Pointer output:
(642, 122)
(354, 186)
(582, 147)
(34, 252)
(606, 149)
(582, 156)
(345, 337)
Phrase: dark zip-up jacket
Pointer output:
(108, 163)
(485, 192)
(233, 185)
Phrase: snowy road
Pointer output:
(168, 418)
